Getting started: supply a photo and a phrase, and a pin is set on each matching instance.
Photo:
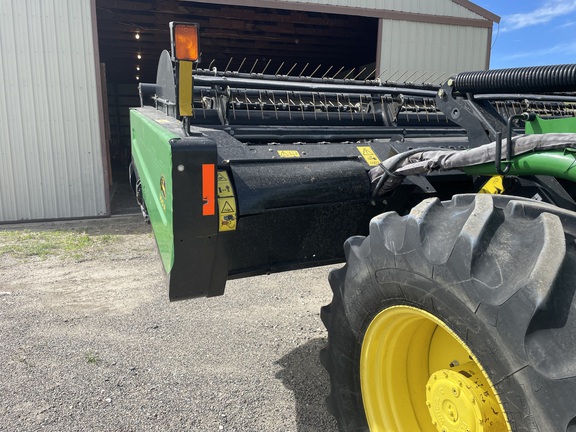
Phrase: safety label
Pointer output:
(226, 203)
(288, 153)
(369, 155)
(494, 186)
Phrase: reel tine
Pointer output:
(349, 73)
(350, 108)
(202, 99)
(241, 64)
(383, 72)
(326, 73)
(404, 73)
(315, 70)
(248, 102)
(410, 76)
(261, 104)
(419, 77)
(359, 73)
(292, 68)
(370, 74)
(278, 71)
(301, 104)
(266, 67)
(314, 105)
(275, 106)
(253, 66)
(228, 65)
(339, 70)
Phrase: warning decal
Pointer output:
(227, 207)
(369, 155)
(288, 153)
(494, 186)
(226, 203)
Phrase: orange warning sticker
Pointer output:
(208, 193)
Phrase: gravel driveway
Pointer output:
(89, 342)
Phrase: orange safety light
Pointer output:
(184, 38)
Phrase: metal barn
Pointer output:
(69, 70)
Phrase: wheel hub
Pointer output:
(459, 399)
(411, 368)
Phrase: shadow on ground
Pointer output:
(303, 374)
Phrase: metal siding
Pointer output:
(430, 52)
(431, 7)
(50, 140)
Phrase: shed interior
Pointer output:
(231, 38)
(231, 32)
(133, 33)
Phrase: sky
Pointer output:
(532, 32)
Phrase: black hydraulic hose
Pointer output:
(537, 79)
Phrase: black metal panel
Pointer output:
(200, 264)
(272, 185)
(297, 237)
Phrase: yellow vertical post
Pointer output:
(185, 88)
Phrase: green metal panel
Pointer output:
(559, 125)
(559, 164)
(152, 154)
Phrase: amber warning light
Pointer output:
(184, 41)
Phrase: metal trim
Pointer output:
(357, 11)
(103, 143)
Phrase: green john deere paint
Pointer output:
(152, 153)
(557, 163)
(559, 125)
(560, 164)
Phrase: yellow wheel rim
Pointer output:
(416, 374)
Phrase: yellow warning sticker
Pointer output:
(226, 203)
(369, 155)
(289, 153)
(494, 186)
(224, 185)
(227, 212)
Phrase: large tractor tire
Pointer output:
(460, 316)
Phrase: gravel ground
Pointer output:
(91, 343)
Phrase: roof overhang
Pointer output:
(487, 20)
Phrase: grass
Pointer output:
(43, 244)
(92, 358)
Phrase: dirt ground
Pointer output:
(91, 343)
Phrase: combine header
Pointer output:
(455, 204)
